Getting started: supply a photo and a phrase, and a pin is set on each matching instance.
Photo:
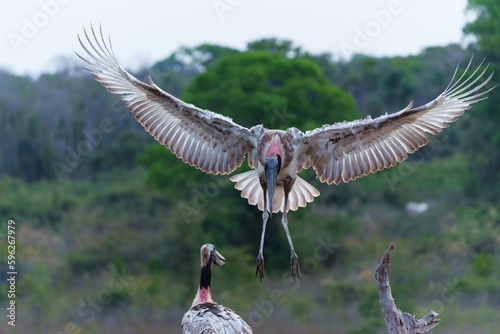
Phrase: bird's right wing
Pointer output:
(201, 138)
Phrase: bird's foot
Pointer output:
(294, 266)
(260, 267)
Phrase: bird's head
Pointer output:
(272, 167)
(209, 256)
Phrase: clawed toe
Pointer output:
(260, 267)
(294, 266)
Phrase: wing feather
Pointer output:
(348, 150)
(293, 201)
(169, 120)
(213, 318)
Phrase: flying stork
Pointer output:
(343, 151)
(205, 316)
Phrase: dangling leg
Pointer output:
(260, 257)
(294, 261)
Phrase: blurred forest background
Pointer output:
(110, 223)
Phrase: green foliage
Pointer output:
(486, 27)
(121, 153)
(300, 307)
(192, 60)
(483, 140)
(174, 73)
(483, 145)
(169, 173)
(484, 264)
(160, 250)
(360, 296)
(276, 46)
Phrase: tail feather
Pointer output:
(249, 184)
(279, 195)
(301, 198)
(293, 201)
(253, 198)
(243, 179)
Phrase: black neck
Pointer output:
(206, 275)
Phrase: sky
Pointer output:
(41, 36)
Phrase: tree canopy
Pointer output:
(258, 87)
(486, 27)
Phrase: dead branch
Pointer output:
(399, 322)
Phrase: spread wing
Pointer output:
(348, 150)
(201, 138)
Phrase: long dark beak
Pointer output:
(272, 168)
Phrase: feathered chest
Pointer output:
(213, 318)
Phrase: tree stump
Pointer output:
(397, 321)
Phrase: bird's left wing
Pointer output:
(201, 138)
(348, 150)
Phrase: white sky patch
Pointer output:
(40, 36)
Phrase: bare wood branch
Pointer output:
(399, 322)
